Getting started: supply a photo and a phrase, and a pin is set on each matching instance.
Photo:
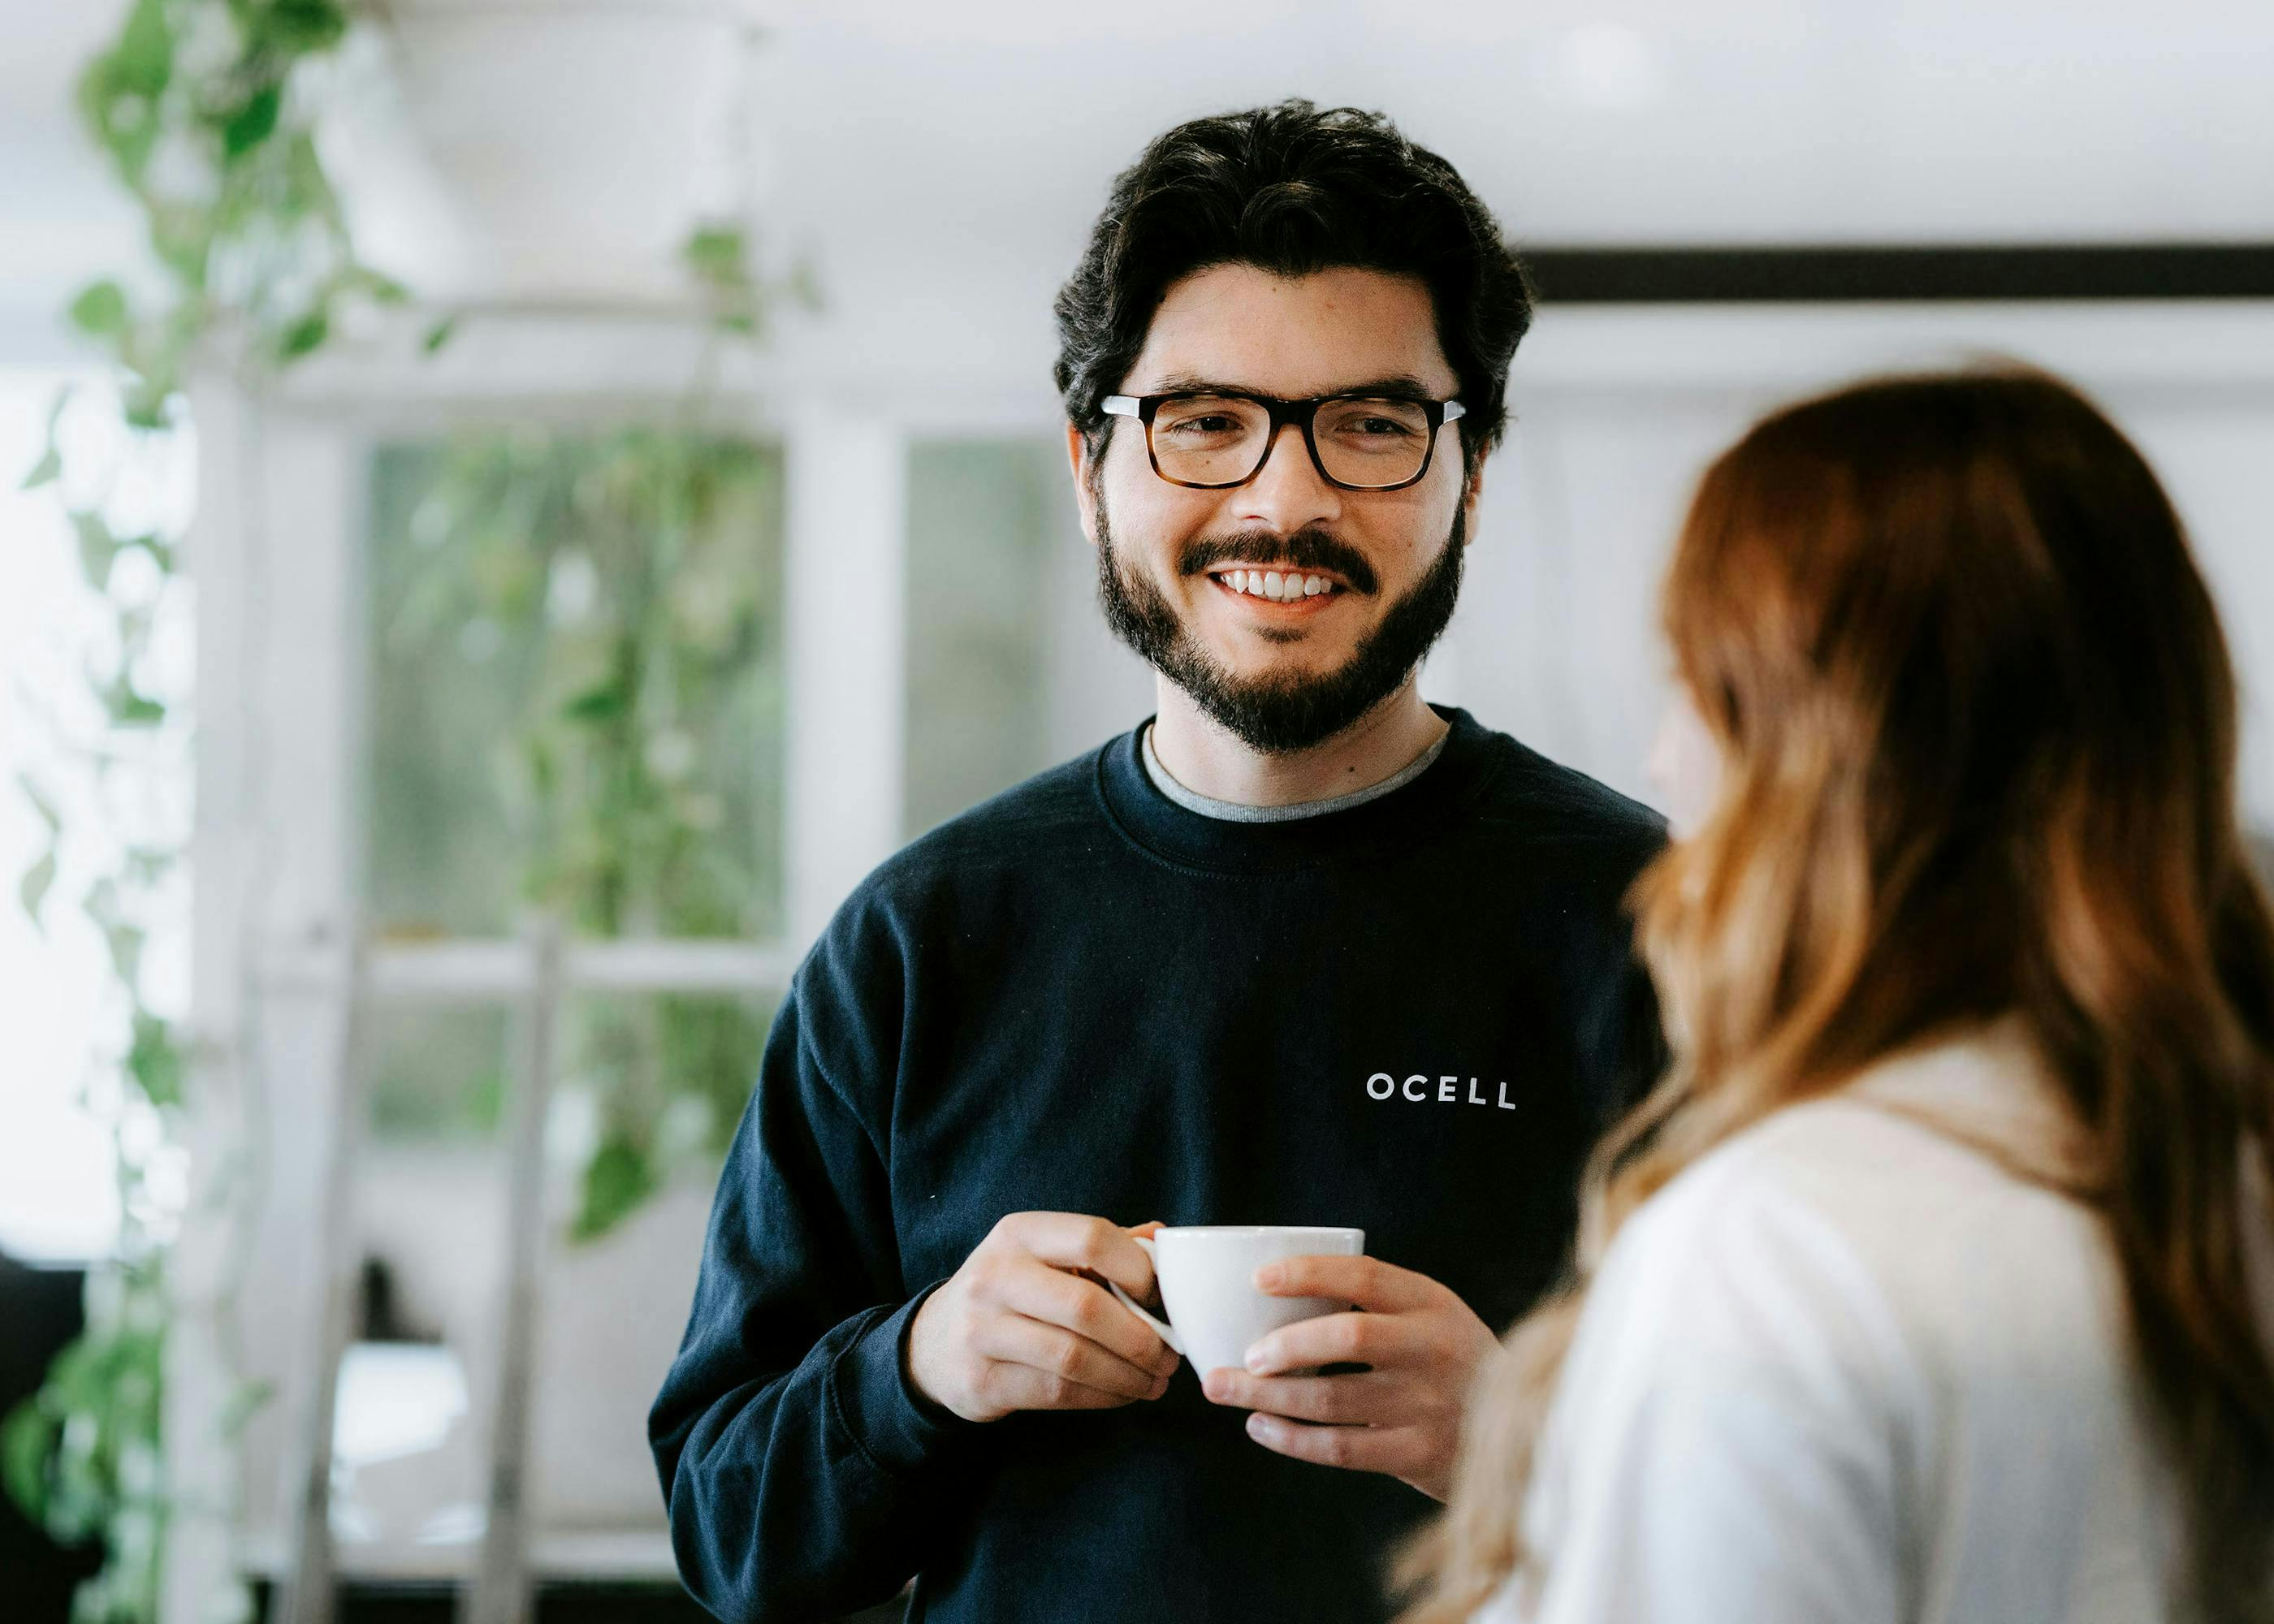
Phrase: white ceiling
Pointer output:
(941, 162)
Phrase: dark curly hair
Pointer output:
(1292, 190)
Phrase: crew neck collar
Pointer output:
(1293, 811)
(1463, 764)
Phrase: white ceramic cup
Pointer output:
(1207, 1276)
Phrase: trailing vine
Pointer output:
(205, 112)
(572, 630)
(198, 106)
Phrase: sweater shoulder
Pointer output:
(1049, 809)
(852, 987)
(1534, 799)
(1529, 787)
(1054, 812)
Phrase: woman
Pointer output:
(1936, 1281)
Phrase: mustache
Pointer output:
(1306, 549)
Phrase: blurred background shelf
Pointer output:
(629, 1557)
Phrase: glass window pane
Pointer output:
(430, 1204)
(576, 690)
(437, 1075)
(651, 1092)
(985, 517)
(650, 1089)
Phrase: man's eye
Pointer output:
(1215, 424)
(1385, 426)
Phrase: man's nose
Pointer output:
(1288, 492)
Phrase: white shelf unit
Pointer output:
(533, 977)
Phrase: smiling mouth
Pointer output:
(1280, 586)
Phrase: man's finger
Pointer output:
(1014, 1339)
(1383, 1341)
(1086, 1310)
(1077, 1241)
(1395, 1450)
(1360, 1399)
(1022, 1386)
(1367, 1283)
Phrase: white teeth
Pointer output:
(1280, 586)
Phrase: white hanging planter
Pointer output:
(532, 151)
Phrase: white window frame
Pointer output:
(281, 977)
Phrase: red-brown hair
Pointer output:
(1978, 724)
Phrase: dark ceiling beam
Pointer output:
(1955, 272)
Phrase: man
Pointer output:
(1304, 950)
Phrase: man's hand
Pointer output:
(1019, 1328)
(1403, 1415)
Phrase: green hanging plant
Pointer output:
(627, 691)
(202, 109)
(616, 807)
(196, 104)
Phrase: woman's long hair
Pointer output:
(1978, 721)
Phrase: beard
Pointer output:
(1281, 714)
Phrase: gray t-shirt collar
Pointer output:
(1234, 812)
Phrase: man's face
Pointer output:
(1284, 673)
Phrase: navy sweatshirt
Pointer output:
(1415, 1016)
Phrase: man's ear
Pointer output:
(1472, 489)
(1085, 495)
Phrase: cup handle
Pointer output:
(1160, 1326)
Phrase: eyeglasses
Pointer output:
(1359, 442)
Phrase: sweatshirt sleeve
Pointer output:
(792, 1451)
(1624, 1034)
(1620, 1030)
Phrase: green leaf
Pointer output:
(100, 310)
(719, 254)
(544, 767)
(303, 336)
(97, 549)
(125, 944)
(44, 470)
(248, 1402)
(40, 804)
(182, 235)
(101, 904)
(618, 1179)
(142, 62)
(33, 889)
(376, 286)
(603, 703)
(440, 333)
(254, 123)
(146, 403)
(154, 1061)
(130, 709)
(28, 1444)
(305, 27)
(159, 551)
